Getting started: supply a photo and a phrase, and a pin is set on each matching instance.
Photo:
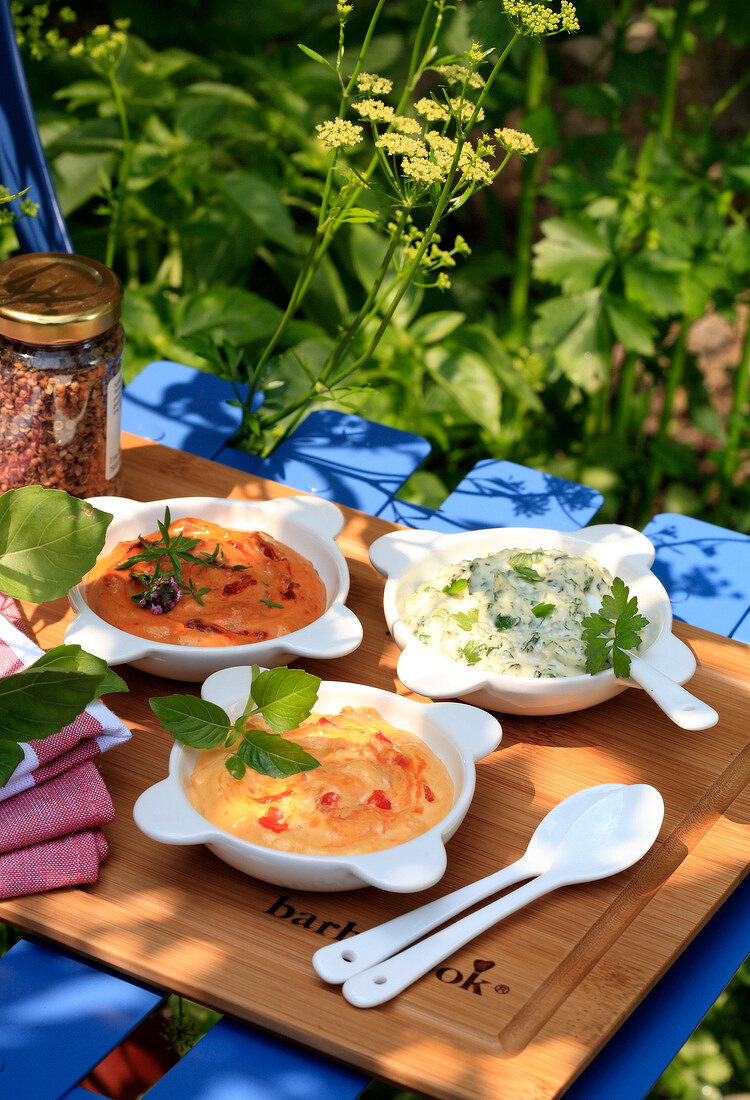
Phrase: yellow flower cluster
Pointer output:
(440, 144)
(338, 133)
(431, 110)
(464, 110)
(423, 171)
(537, 20)
(104, 47)
(404, 125)
(401, 145)
(516, 141)
(374, 110)
(473, 167)
(376, 85)
(459, 74)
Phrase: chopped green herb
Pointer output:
(270, 603)
(531, 643)
(473, 652)
(542, 610)
(504, 622)
(522, 564)
(466, 619)
(456, 587)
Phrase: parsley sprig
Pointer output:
(284, 697)
(614, 629)
(163, 587)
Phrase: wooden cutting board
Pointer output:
(519, 1012)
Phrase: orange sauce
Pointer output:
(377, 786)
(275, 592)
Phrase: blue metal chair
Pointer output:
(22, 161)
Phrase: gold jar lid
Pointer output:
(57, 298)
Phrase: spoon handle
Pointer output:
(381, 982)
(684, 709)
(336, 962)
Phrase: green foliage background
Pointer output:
(565, 341)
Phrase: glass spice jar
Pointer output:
(61, 347)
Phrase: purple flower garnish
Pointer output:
(160, 596)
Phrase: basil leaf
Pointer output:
(285, 696)
(11, 755)
(48, 695)
(271, 754)
(542, 610)
(194, 722)
(49, 540)
(504, 622)
(457, 586)
(235, 767)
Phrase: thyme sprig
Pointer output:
(165, 586)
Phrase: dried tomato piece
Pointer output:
(273, 797)
(273, 820)
(327, 800)
(378, 798)
(429, 796)
(243, 582)
(401, 760)
(382, 737)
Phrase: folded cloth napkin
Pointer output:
(53, 806)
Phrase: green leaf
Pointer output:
(271, 754)
(11, 755)
(194, 722)
(573, 327)
(473, 652)
(226, 313)
(431, 328)
(49, 694)
(315, 56)
(470, 382)
(358, 215)
(262, 204)
(631, 325)
(613, 630)
(542, 610)
(457, 586)
(523, 563)
(285, 696)
(466, 619)
(571, 254)
(48, 541)
(651, 281)
(504, 622)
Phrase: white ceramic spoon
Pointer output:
(336, 962)
(607, 838)
(685, 710)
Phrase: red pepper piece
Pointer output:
(330, 798)
(273, 820)
(273, 797)
(323, 721)
(382, 737)
(429, 796)
(401, 760)
(378, 798)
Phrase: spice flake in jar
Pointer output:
(257, 588)
(376, 787)
(514, 612)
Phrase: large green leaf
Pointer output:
(226, 313)
(11, 755)
(270, 754)
(630, 324)
(195, 722)
(573, 327)
(652, 281)
(571, 254)
(431, 328)
(285, 696)
(51, 693)
(471, 383)
(262, 204)
(48, 541)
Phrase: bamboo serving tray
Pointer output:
(519, 1012)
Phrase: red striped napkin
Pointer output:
(53, 806)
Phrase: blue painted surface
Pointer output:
(339, 457)
(504, 494)
(232, 1062)
(742, 633)
(22, 160)
(705, 569)
(181, 407)
(59, 1016)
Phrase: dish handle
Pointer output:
(116, 648)
(334, 634)
(420, 865)
(396, 551)
(435, 677)
(631, 546)
(163, 813)
(478, 732)
(319, 516)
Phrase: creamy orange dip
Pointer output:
(376, 787)
(276, 592)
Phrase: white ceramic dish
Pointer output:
(458, 734)
(408, 558)
(305, 523)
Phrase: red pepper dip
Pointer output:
(376, 787)
(260, 588)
